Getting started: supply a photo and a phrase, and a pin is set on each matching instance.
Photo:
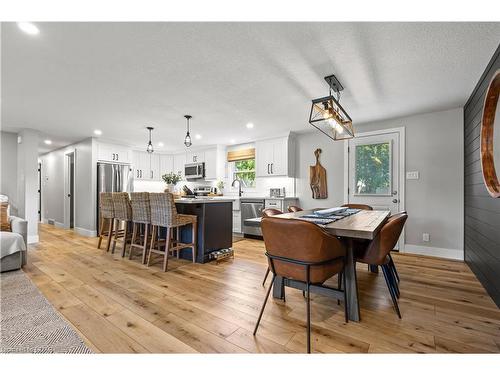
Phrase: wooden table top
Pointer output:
(364, 224)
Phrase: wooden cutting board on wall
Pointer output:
(317, 178)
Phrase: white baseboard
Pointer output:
(45, 221)
(86, 232)
(33, 238)
(434, 251)
(59, 225)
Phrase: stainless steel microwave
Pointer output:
(194, 171)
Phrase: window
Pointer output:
(244, 170)
(373, 169)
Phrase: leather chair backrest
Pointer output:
(271, 212)
(384, 242)
(294, 209)
(358, 206)
(395, 216)
(302, 241)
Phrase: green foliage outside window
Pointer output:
(373, 169)
(244, 170)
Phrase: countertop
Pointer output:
(204, 200)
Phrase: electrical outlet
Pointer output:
(412, 175)
(426, 237)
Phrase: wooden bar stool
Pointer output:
(107, 216)
(123, 216)
(141, 221)
(164, 215)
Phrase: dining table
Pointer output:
(362, 225)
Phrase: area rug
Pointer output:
(29, 323)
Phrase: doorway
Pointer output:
(69, 189)
(375, 171)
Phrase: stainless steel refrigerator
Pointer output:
(113, 178)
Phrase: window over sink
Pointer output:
(244, 170)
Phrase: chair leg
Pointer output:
(125, 235)
(346, 310)
(386, 271)
(265, 276)
(393, 266)
(133, 240)
(101, 231)
(264, 305)
(116, 236)
(151, 246)
(110, 233)
(339, 283)
(308, 294)
(145, 244)
(167, 249)
(194, 240)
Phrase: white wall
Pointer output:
(27, 181)
(8, 177)
(434, 147)
(85, 190)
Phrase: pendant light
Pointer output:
(328, 116)
(187, 139)
(149, 149)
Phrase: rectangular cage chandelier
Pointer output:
(328, 116)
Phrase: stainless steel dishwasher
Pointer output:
(250, 209)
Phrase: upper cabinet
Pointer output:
(112, 153)
(195, 157)
(210, 159)
(179, 162)
(166, 164)
(275, 157)
(146, 166)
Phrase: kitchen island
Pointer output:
(215, 225)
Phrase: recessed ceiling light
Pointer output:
(197, 136)
(160, 144)
(232, 141)
(98, 132)
(47, 142)
(28, 28)
(250, 125)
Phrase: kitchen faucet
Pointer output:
(239, 186)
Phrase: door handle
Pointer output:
(394, 192)
(151, 174)
(395, 201)
(268, 169)
(272, 168)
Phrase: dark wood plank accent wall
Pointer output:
(482, 212)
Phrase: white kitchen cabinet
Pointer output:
(166, 164)
(195, 157)
(211, 164)
(154, 167)
(146, 166)
(112, 153)
(179, 162)
(275, 157)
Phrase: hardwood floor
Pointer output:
(121, 306)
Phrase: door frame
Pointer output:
(402, 169)
(67, 221)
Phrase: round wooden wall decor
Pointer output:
(490, 137)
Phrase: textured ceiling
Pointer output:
(121, 77)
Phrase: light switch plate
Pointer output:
(414, 175)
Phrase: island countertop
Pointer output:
(204, 200)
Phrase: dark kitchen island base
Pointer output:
(215, 226)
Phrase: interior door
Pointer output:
(374, 171)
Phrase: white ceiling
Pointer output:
(121, 77)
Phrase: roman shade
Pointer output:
(244, 154)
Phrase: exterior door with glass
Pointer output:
(374, 171)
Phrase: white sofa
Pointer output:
(14, 260)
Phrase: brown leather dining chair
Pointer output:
(358, 206)
(391, 262)
(377, 252)
(267, 213)
(304, 255)
(294, 209)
